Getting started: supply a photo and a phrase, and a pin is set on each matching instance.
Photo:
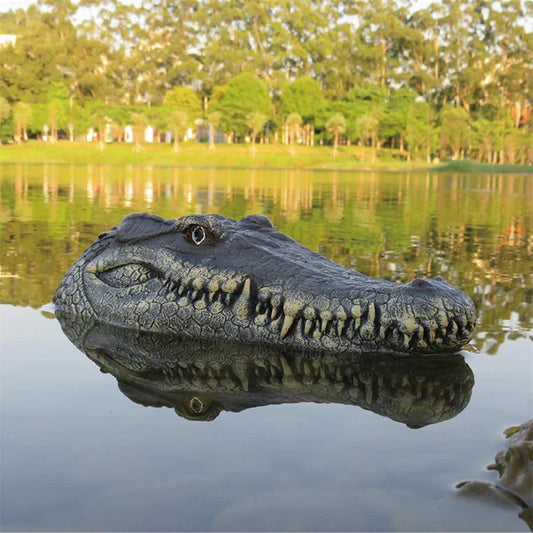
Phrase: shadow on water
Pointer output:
(201, 379)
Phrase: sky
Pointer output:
(6, 5)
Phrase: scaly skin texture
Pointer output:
(199, 379)
(206, 276)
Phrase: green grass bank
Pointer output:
(232, 155)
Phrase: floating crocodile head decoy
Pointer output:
(199, 379)
(207, 276)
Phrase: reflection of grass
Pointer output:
(474, 166)
(236, 155)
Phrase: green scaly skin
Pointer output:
(209, 277)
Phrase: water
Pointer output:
(78, 453)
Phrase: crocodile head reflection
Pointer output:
(202, 378)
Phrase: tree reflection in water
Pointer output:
(474, 230)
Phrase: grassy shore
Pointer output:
(236, 155)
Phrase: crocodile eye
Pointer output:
(196, 405)
(198, 235)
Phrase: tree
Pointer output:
(305, 97)
(184, 99)
(293, 124)
(381, 29)
(139, 121)
(22, 113)
(213, 120)
(454, 129)
(420, 129)
(244, 94)
(482, 139)
(100, 115)
(336, 126)
(57, 98)
(368, 126)
(256, 122)
(178, 122)
(393, 121)
(5, 110)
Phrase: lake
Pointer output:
(83, 450)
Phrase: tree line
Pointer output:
(450, 80)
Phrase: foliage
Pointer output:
(243, 95)
(336, 126)
(256, 122)
(420, 130)
(184, 99)
(5, 112)
(22, 113)
(368, 61)
(178, 122)
(305, 97)
(454, 129)
(293, 123)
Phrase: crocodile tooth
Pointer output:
(227, 299)
(341, 320)
(291, 309)
(287, 323)
(198, 284)
(371, 313)
(406, 340)
(182, 289)
(246, 288)
(276, 306)
(287, 374)
(367, 329)
(369, 389)
(213, 287)
(309, 314)
(325, 316)
(308, 374)
(216, 307)
(357, 312)
(317, 334)
(230, 286)
(194, 294)
(200, 304)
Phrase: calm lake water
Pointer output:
(80, 453)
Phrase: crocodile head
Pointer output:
(207, 276)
